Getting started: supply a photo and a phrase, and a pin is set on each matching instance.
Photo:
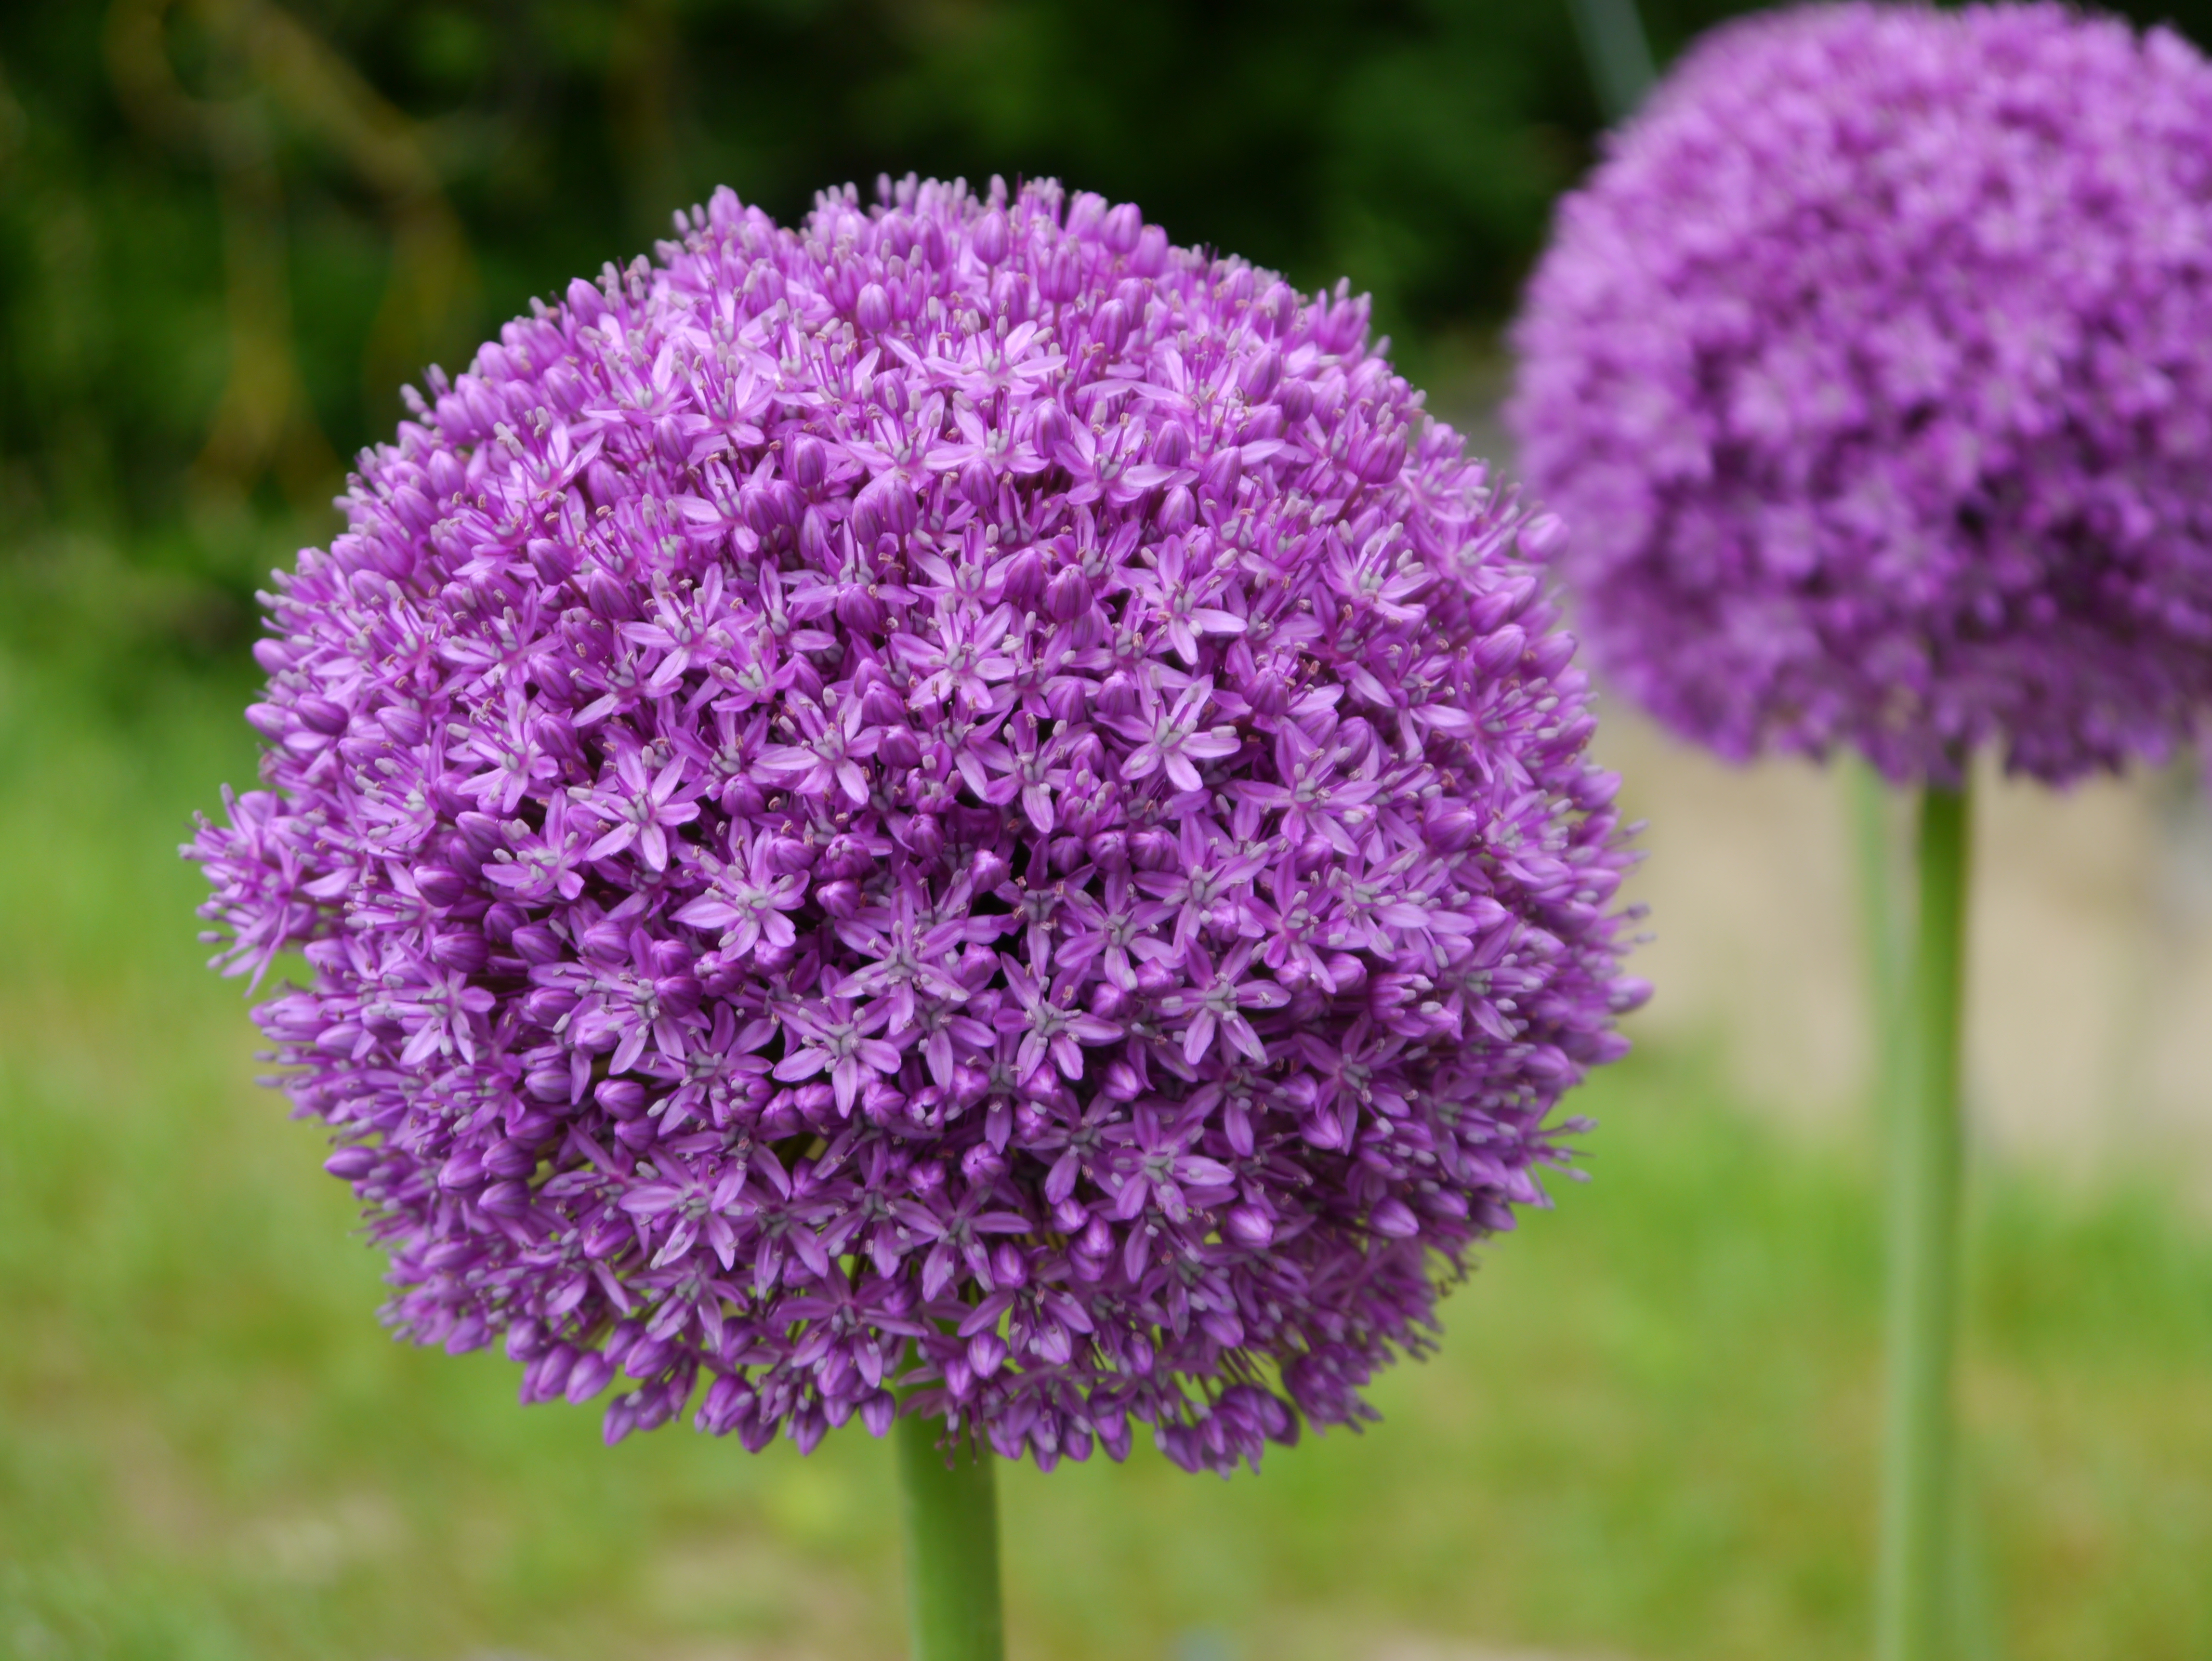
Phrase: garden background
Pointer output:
(229, 230)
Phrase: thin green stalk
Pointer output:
(1913, 1598)
(950, 1512)
(1616, 52)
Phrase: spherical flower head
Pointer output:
(955, 809)
(1874, 371)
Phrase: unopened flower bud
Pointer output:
(622, 1097)
(1025, 583)
(461, 949)
(1110, 326)
(1261, 371)
(1059, 279)
(1123, 225)
(1249, 1227)
(990, 241)
(1152, 848)
(806, 463)
(1049, 429)
(899, 747)
(1542, 537)
(1067, 596)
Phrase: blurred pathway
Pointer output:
(2090, 1042)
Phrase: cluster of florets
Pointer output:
(1874, 371)
(957, 801)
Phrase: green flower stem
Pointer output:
(1913, 1600)
(1616, 52)
(950, 1510)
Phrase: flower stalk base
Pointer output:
(950, 1510)
(1913, 1606)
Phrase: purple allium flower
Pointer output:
(956, 797)
(1874, 371)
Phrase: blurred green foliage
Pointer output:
(229, 229)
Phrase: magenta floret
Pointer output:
(958, 799)
(1874, 371)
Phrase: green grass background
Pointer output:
(1649, 1434)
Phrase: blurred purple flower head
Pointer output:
(956, 800)
(1874, 371)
